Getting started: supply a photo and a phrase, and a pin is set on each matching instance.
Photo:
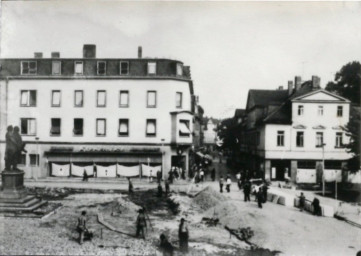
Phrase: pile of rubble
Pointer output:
(208, 198)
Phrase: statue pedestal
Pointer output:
(13, 197)
(12, 185)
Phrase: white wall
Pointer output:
(137, 112)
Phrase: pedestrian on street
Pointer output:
(302, 202)
(201, 175)
(130, 187)
(171, 177)
(247, 191)
(159, 176)
(183, 234)
(81, 226)
(221, 183)
(238, 176)
(213, 174)
(85, 176)
(316, 207)
(141, 223)
(183, 173)
(165, 246)
(150, 176)
(228, 184)
(260, 197)
(264, 190)
(167, 187)
(160, 190)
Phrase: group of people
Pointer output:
(176, 173)
(14, 148)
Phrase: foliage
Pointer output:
(352, 130)
(347, 82)
(228, 132)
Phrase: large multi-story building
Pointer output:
(289, 133)
(93, 110)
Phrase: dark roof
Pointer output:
(267, 97)
(239, 112)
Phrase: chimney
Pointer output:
(89, 51)
(316, 83)
(280, 87)
(38, 55)
(298, 82)
(139, 52)
(55, 55)
(290, 87)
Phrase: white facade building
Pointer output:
(98, 111)
(292, 132)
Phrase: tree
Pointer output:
(347, 82)
(352, 130)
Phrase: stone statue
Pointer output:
(14, 148)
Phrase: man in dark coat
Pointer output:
(165, 246)
(247, 191)
(141, 223)
(264, 190)
(183, 234)
(260, 197)
(302, 202)
(159, 176)
(316, 207)
(81, 227)
(213, 174)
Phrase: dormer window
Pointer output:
(28, 68)
(179, 69)
(152, 67)
(124, 68)
(78, 69)
(102, 67)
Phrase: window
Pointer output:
(78, 102)
(28, 98)
(28, 67)
(151, 129)
(102, 67)
(124, 68)
(28, 126)
(299, 139)
(306, 164)
(319, 139)
(151, 99)
(55, 129)
(78, 127)
(178, 100)
(333, 164)
(23, 159)
(179, 69)
(123, 127)
(184, 130)
(55, 98)
(101, 98)
(78, 70)
(34, 159)
(152, 67)
(300, 110)
(320, 110)
(56, 68)
(101, 127)
(339, 111)
(339, 143)
(124, 99)
(280, 138)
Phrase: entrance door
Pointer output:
(280, 169)
(179, 161)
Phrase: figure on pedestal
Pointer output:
(14, 148)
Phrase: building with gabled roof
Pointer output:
(288, 132)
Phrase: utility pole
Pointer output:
(323, 168)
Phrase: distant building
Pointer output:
(210, 133)
(93, 110)
(288, 133)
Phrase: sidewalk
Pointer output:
(348, 211)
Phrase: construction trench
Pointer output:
(112, 217)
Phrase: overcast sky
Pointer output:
(231, 46)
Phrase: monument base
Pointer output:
(13, 196)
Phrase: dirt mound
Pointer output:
(208, 198)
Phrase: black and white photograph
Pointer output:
(177, 128)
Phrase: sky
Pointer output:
(231, 47)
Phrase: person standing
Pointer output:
(160, 190)
(213, 174)
(85, 176)
(171, 175)
(302, 202)
(221, 183)
(150, 176)
(183, 236)
(260, 197)
(141, 223)
(167, 188)
(228, 184)
(238, 176)
(81, 227)
(130, 187)
(159, 176)
(247, 191)
(264, 190)
(201, 174)
(316, 207)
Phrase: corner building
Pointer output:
(89, 111)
